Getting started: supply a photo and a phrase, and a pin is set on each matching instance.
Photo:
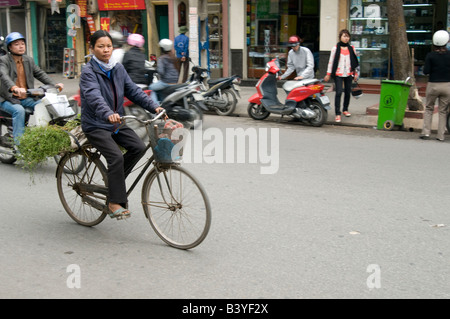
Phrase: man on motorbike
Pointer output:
(166, 68)
(17, 74)
(300, 60)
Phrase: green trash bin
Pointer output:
(393, 100)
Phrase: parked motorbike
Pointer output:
(183, 103)
(7, 152)
(305, 99)
(219, 94)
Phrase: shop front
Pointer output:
(271, 23)
(368, 23)
(124, 16)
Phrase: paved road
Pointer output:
(350, 213)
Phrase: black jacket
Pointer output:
(134, 63)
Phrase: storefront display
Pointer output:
(368, 24)
(55, 41)
(215, 38)
(269, 25)
(369, 28)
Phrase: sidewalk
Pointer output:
(364, 110)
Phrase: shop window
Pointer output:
(55, 41)
(271, 23)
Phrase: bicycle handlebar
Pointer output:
(132, 117)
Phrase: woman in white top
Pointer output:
(343, 67)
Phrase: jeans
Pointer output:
(17, 112)
(158, 86)
(343, 85)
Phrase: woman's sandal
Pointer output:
(120, 213)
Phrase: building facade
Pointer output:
(226, 36)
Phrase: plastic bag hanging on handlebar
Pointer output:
(166, 142)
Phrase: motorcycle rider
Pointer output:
(17, 74)
(118, 42)
(300, 60)
(134, 59)
(166, 68)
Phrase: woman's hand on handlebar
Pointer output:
(159, 109)
(114, 118)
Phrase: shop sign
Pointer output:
(9, 3)
(83, 7)
(91, 23)
(109, 5)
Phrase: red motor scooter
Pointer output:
(305, 100)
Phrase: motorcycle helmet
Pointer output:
(166, 45)
(293, 41)
(136, 40)
(13, 36)
(118, 38)
(440, 38)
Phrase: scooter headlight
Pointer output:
(267, 67)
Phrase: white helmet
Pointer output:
(440, 38)
(166, 45)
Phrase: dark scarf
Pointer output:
(353, 59)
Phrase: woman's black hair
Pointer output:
(97, 35)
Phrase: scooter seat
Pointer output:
(290, 85)
(215, 81)
(172, 88)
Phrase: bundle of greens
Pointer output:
(41, 142)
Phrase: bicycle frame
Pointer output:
(151, 161)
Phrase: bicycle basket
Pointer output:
(163, 141)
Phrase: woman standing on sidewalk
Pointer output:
(343, 67)
(437, 66)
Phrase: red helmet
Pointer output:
(293, 41)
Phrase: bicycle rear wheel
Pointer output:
(82, 191)
(176, 206)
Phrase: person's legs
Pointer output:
(444, 100)
(154, 87)
(104, 142)
(128, 139)
(337, 98)
(431, 96)
(17, 112)
(347, 92)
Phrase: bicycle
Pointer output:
(174, 201)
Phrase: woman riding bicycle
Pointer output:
(103, 85)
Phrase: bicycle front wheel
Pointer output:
(82, 188)
(176, 206)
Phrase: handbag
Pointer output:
(356, 90)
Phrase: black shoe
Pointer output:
(424, 137)
(439, 139)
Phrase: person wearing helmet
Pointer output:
(134, 59)
(181, 44)
(104, 84)
(437, 67)
(118, 42)
(167, 68)
(17, 74)
(300, 60)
